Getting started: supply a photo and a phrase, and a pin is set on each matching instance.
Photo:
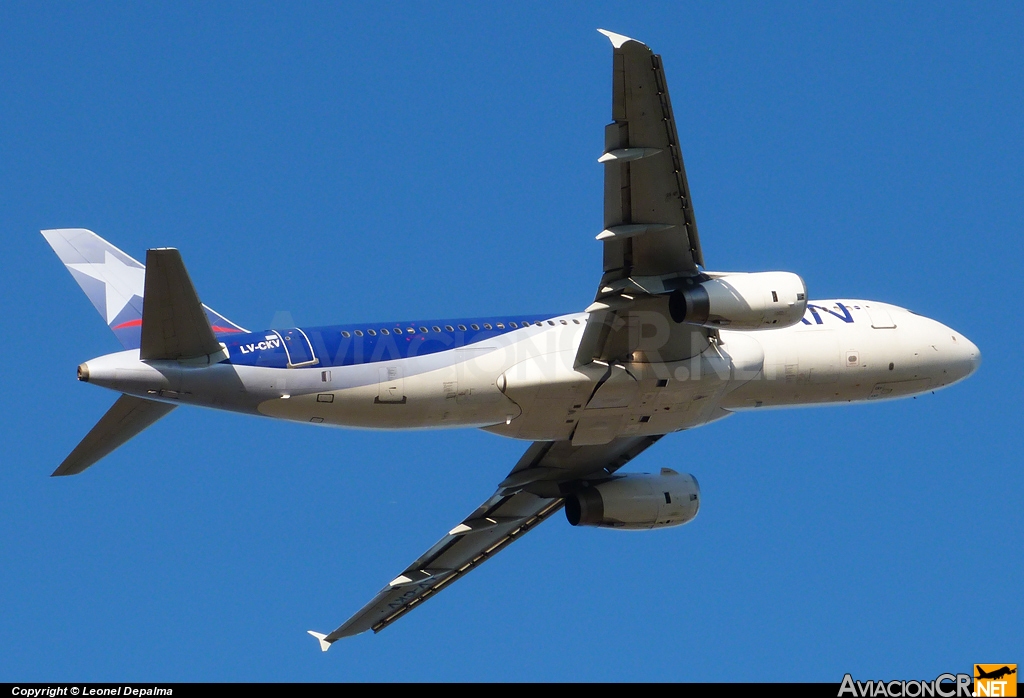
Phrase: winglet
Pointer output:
(617, 39)
(324, 644)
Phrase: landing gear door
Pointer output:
(297, 347)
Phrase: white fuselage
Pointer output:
(523, 383)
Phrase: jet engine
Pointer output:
(758, 301)
(637, 502)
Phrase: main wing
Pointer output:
(651, 246)
(532, 492)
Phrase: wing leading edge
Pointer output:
(532, 492)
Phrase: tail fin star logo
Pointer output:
(995, 680)
(122, 281)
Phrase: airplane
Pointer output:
(666, 346)
(995, 674)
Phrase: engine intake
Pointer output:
(759, 301)
(637, 502)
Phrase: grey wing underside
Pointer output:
(532, 492)
(651, 246)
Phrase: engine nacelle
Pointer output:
(635, 502)
(759, 301)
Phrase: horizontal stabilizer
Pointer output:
(174, 325)
(126, 418)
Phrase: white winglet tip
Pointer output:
(617, 39)
(461, 528)
(324, 644)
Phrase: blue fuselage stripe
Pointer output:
(389, 341)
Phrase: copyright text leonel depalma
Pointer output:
(55, 691)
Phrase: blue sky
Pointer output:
(358, 163)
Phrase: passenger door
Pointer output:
(297, 347)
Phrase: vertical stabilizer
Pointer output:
(114, 282)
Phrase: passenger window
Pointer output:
(359, 333)
(487, 326)
(462, 327)
(501, 325)
(513, 325)
(575, 322)
(345, 334)
(422, 329)
(436, 328)
(398, 330)
(475, 327)
(372, 333)
(449, 328)
(551, 322)
(563, 322)
(384, 331)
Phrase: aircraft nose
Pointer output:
(951, 357)
(973, 356)
(967, 356)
